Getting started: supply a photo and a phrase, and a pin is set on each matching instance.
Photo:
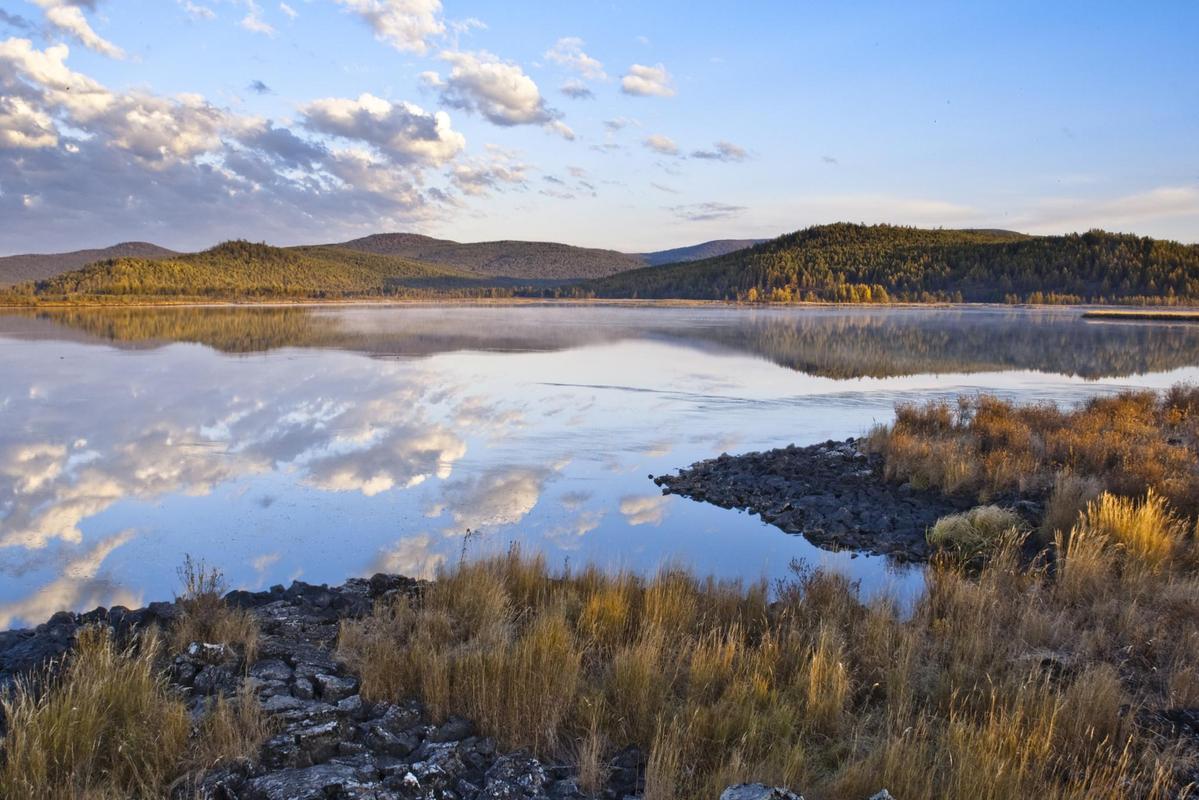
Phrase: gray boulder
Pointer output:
(757, 791)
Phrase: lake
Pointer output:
(320, 443)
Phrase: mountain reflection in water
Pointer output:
(343, 441)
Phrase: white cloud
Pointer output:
(67, 16)
(500, 496)
(24, 126)
(499, 90)
(404, 24)
(722, 151)
(481, 176)
(149, 165)
(288, 10)
(253, 20)
(643, 81)
(661, 144)
(568, 51)
(402, 130)
(1060, 215)
(196, 11)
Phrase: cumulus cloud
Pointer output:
(643, 81)
(23, 126)
(568, 51)
(67, 16)
(499, 90)
(258, 87)
(288, 10)
(704, 212)
(661, 144)
(577, 90)
(196, 11)
(402, 130)
(722, 151)
(481, 176)
(143, 165)
(619, 123)
(404, 24)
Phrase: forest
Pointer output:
(886, 263)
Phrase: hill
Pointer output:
(244, 270)
(39, 266)
(877, 263)
(698, 252)
(512, 259)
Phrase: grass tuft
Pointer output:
(207, 618)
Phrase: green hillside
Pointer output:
(880, 263)
(244, 270)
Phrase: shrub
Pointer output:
(977, 533)
(207, 617)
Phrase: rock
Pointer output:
(271, 669)
(514, 777)
(831, 493)
(454, 729)
(311, 783)
(303, 689)
(757, 791)
(883, 795)
(215, 680)
(332, 688)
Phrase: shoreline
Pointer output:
(1088, 311)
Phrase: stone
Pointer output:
(757, 791)
(271, 669)
(453, 729)
(310, 783)
(282, 702)
(883, 795)
(333, 688)
(303, 689)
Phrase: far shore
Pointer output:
(1088, 311)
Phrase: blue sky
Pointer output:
(187, 122)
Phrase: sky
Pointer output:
(607, 123)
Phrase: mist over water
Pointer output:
(322, 443)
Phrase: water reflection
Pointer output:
(347, 441)
(837, 343)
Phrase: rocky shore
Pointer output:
(328, 742)
(832, 493)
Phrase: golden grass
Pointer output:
(105, 724)
(977, 533)
(1126, 443)
(206, 618)
(1005, 680)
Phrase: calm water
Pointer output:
(321, 443)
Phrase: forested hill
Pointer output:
(880, 263)
(39, 266)
(511, 259)
(245, 270)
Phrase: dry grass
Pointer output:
(1127, 443)
(105, 724)
(1003, 681)
(973, 536)
(206, 618)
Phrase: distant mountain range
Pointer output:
(535, 261)
(697, 252)
(39, 266)
(829, 263)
